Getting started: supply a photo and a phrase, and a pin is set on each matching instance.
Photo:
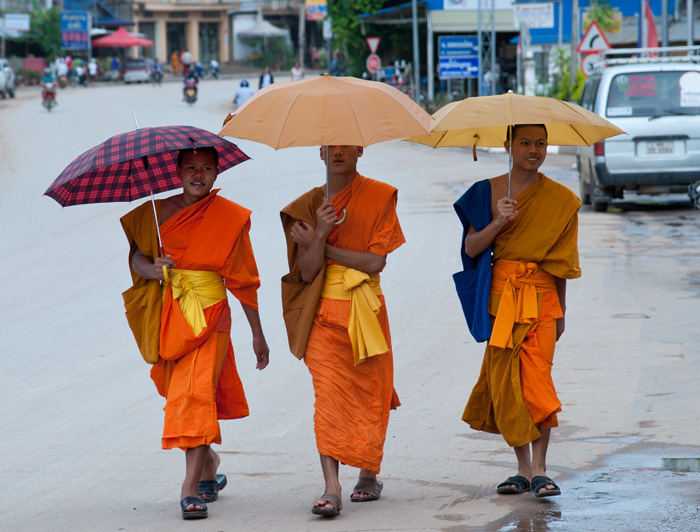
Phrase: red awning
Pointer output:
(121, 39)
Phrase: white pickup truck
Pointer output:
(7, 79)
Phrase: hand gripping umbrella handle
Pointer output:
(342, 218)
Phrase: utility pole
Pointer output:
(302, 33)
(2, 27)
(416, 54)
(573, 66)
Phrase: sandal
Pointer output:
(326, 511)
(193, 514)
(371, 487)
(209, 489)
(540, 482)
(506, 487)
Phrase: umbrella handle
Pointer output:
(165, 274)
(342, 218)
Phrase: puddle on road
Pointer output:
(632, 493)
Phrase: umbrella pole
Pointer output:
(510, 156)
(328, 190)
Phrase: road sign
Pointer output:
(458, 67)
(373, 43)
(588, 63)
(593, 41)
(373, 62)
(458, 57)
(75, 30)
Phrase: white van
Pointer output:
(656, 101)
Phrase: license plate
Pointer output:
(660, 148)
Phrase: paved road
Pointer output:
(81, 421)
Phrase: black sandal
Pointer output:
(506, 487)
(209, 489)
(540, 482)
(194, 513)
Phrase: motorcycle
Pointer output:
(213, 70)
(156, 77)
(63, 81)
(190, 90)
(198, 70)
(48, 96)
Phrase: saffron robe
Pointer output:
(514, 395)
(197, 374)
(352, 402)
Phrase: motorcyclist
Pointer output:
(243, 93)
(214, 67)
(47, 84)
(190, 82)
(157, 73)
(198, 69)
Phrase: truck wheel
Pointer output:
(584, 193)
(11, 92)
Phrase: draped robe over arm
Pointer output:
(514, 395)
(352, 401)
(196, 373)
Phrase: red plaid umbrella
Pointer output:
(136, 164)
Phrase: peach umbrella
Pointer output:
(325, 111)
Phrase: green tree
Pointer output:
(44, 30)
(347, 34)
(603, 13)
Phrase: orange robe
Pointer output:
(515, 395)
(352, 401)
(197, 374)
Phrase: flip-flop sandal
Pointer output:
(540, 482)
(326, 511)
(506, 487)
(209, 489)
(193, 514)
(368, 486)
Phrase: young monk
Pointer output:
(524, 248)
(206, 250)
(337, 321)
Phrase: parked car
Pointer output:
(656, 101)
(137, 70)
(7, 79)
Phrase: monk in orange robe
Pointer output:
(206, 250)
(345, 339)
(533, 237)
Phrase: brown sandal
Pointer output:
(334, 501)
(373, 488)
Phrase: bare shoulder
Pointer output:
(499, 187)
(170, 206)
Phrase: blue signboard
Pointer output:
(75, 30)
(458, 57)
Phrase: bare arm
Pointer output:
(149, 269)
(262, 352)
(477, 242)
(561, 292)
(364, 261)
(312, 242)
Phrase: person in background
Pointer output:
(297, 71)
(175, 62)
(242, 94)
(265, 78)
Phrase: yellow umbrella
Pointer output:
(326, 110)
(484, 121)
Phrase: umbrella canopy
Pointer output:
(121, 39)
(484, 121)
(326, 110)
(262, 29)
(136, 164)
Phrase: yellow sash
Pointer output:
(518, 283)
(196, 290)
(363, 291)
